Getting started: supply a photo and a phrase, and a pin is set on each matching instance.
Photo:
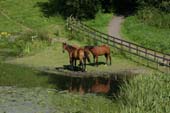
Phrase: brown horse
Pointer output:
(76, 53)
(69, 49)
(79, 54)
(98, 51)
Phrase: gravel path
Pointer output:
(115, 26)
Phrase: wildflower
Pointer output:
(9, 34)
(4, 33)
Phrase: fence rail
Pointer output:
(132, 48)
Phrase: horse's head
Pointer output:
(64, 46)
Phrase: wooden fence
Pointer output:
(149, 54)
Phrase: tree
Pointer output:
(77, 8)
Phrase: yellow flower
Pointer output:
(4, 33)
(9, 34)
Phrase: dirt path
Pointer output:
(115, 26)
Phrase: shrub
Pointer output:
(76, 8)
(154, 17)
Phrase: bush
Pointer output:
(154, 17)
(162, 5)
(76, 8)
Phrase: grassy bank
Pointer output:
(19, 15)
(148, 36)
(88, 103)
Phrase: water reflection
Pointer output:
(89, 84)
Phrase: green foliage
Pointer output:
(154, 17)
(163, 5)
(146, 94)
(76, 8)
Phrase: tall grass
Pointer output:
(88, 103)
(146, 94)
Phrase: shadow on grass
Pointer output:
(78, 68)
(94, 64)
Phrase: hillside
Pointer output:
(17, 15)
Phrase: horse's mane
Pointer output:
(72, 47)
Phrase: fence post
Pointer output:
(146, 55)
(108, 39)
(121, 45)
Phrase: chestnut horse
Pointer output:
(98, 51)
(76, 53)
(69, 49)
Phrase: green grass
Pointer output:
(100, 22)
(29, 15)
(89, 103)
(53, 57)
(148, 36)
(146, 94)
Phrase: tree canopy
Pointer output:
(88, 8)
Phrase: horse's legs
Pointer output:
(96, 60)
(110, 59)
(75, 62)
(84, 62)
(88, 58)
(71, 63)
(106, 55)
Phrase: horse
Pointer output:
(79, 54)
(69, 49)
(98, 51)
(76, 53)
